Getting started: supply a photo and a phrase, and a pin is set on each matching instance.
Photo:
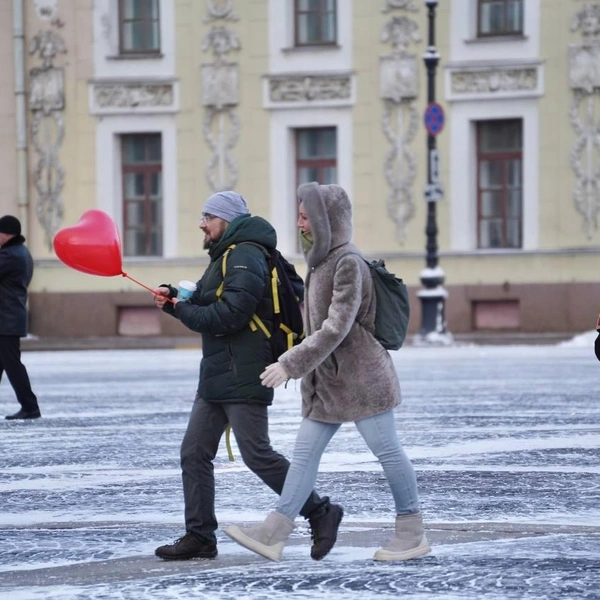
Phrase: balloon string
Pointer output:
(144, 286)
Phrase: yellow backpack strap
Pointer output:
(228, 443)
(223, 271)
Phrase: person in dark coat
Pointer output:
(597, 343)
(16, 270)
(234, 354)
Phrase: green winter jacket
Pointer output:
(233, 356)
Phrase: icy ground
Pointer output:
(505, 441)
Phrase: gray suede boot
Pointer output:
(410, 540)
(268, 539)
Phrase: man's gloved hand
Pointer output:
(274, 375)
(597, 346)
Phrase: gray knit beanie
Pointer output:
(225, 205)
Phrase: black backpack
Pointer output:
(393, 308)
(287, 290)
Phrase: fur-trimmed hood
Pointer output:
(330, 214)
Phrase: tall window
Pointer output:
(142, 194)
(500, 17)
(139, 27)
(500, 183)
(316, 155)
(315, 22)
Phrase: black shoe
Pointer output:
(23, 414)
(186, 547)
(324, 529)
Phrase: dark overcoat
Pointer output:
(233, 354)
(16, 271)
(346, 373)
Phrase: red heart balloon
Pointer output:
(91, 246)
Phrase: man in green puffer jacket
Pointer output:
(229, 389)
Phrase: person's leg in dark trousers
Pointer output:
(250, 426)
(199, 447)
(10, 363)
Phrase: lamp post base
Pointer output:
(433, 330)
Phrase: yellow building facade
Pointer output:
(143, 108)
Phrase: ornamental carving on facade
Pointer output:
(133, 95)
(584, 80)
(496, 80)
(399, 85)
(220, 97)
(47, 103)
(405, 4)
(300, 88)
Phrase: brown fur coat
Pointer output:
(346, 373)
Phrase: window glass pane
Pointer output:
(154, 150)
(308, 31)
(138, 29)
(155, 185)
(128, 8)
(153, 36)
(134, 212)
(514, 203)
(329, 175)
(134, 243)
(308, 174)
(499, 136)
(513, 233)
(153, 9)
(155, 243)
(492, 17)
(156, 213)
(490, 174)
(328, 28)
(329, 5)
(515, 16)
(514, 173)
(491, 204)
(491, 234)
(134, 185)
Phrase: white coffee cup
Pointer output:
(185, 289)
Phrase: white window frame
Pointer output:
(283, 213)
(108, 63)
(109, 180)
(463, 170)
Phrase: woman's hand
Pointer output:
(274, 375)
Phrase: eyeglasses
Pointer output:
(207, 218)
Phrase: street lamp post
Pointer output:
(433, 296)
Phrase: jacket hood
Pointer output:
(246, 228)
(330, 214)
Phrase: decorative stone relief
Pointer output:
(405, 4)
(220, 9)
(494, 80)
(398, 86)
(47, 103)
(46, 9)
(133, 95)
(220, 97)
(584, 78)
(302, 88)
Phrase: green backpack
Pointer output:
(393, 308)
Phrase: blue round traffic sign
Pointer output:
(434, 118)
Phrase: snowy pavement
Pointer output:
(505, 442)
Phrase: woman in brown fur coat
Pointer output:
(347, 376)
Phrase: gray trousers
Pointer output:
(250, 426)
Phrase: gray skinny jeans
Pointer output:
(379, 432)
(250, 426)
